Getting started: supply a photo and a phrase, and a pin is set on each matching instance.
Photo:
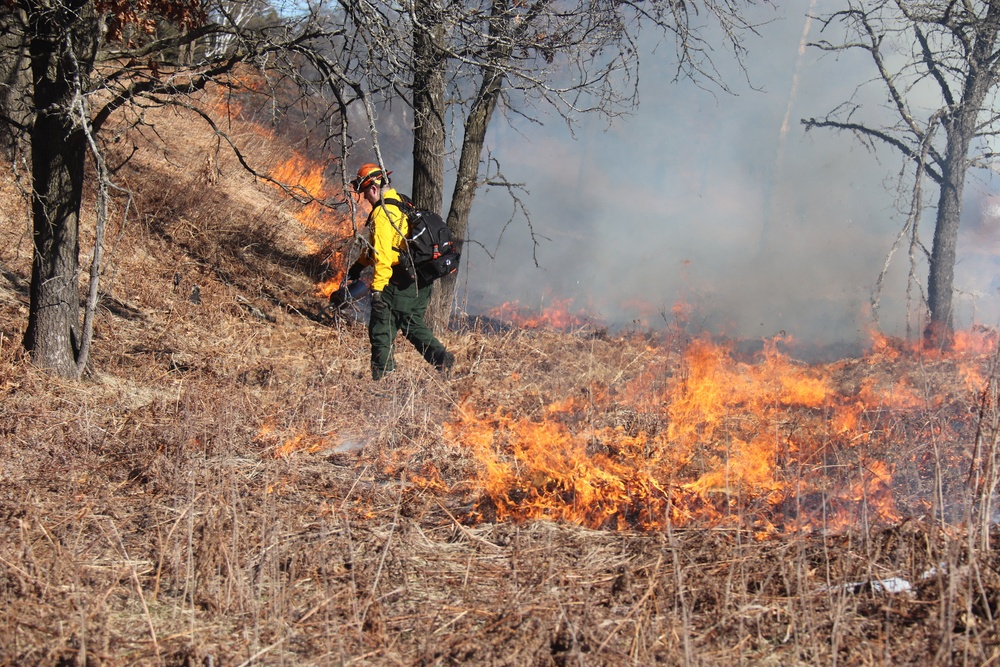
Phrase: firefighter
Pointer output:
(398, 303)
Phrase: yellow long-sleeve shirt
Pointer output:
(386, 227)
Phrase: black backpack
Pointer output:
(429, 251)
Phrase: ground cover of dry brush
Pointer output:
(230, 488)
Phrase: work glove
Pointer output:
(377, 301)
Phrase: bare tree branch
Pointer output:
(945, 51)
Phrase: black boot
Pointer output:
(443, 360)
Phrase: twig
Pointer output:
(385, 551)
(138, 588)
(159, 565)
(351, 490)
(636, 606)
(466, 531)
(261, 652)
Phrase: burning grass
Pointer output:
(267, 504)
(230, 487)
(709, 439)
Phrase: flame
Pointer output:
(978, 340)
(555, 316)
(268, 437)
(307, 180)
(301, 177)
(291, 445)
(712, 440)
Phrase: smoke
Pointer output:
(792, 96)
(720, 201)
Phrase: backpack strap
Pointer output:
(404, 207)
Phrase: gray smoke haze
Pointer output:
(723, 202)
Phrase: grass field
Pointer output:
(229, 487)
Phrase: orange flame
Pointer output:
(307, 179)
(556, 316)
(713, 441)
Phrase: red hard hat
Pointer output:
(368, 174)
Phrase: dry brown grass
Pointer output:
(230, 488)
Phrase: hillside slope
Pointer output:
(229, 487)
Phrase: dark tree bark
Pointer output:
(474, 138)
(428, 109)
(61, 49)
(941, 271)
(15, 78)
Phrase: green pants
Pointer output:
(401, 309)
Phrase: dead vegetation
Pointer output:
(230, 488)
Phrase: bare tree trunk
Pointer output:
(61, 54)
(478, 121)
(428, 109)
(940, 281)
(15, 78)
(961, 128)
(428, 132)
